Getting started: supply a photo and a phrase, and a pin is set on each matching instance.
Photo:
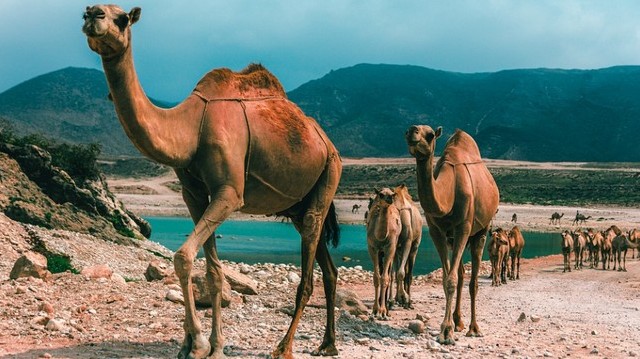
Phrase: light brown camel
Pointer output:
(609, 235)
(579, 246)
(498, 254)
(516, 245)
(567, 248)
(634, 237)
(605, 248)
(595, 238)
(408, 243)
(459, 197)
(619, 247)
(555, 218)
(383, 229)
(236, 143)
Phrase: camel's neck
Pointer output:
(436, 194)
(166, 136)
(383, 223)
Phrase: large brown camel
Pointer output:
(383, 229)
(459, 197)
(567, 248)
(498, 253)
(408, 243)
(516, 245)
(236, 143)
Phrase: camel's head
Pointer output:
(384, 196)
(108, 29)
(422, 140)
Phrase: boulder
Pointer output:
(201, 291)
(349, 301)
(97, 271)
(240, 282)
(157, 270)
(30, 264)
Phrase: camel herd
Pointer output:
(237, 143)
(608, 246)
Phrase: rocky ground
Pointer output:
(585, 313)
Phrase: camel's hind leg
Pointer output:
(477, 246)
(319, 202)
(329, 279)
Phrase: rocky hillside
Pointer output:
(35, 191)
(536, 115)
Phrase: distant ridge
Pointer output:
(528, 114)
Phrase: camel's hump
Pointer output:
(253, 81)
(461, 148)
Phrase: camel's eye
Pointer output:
(100, 16)
(85, 16)
(430, 136)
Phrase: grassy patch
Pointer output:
(59, 264)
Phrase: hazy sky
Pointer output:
(176, 42)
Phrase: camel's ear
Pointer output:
(376, 191)
(438, 131)
(134, 15)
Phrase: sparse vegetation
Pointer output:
(58, 264)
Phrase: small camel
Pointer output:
(459, 198)
(555, 218)
(498, 254)
(579, 246)
(567, 248)
(595, 238)
(236, 143)
(606, 248)
(356, 208)
(620, 245)
(516, 245)
(383, 230)
(580, 219)
(408, 244)
(634, 237)
(514, 218)
(609, 235)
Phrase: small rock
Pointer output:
(522, 317)
(349, 301)
(434, 333)
(593, 332)
(416, 326)
(535, 318)
(39, 320)
(175, 296)
(97, 272)
(547, 354)
(55, 325)
(117, 278)
(293, 277)
(21, 289)
(157, 270)
(632, 353)
(594, 351)
(46, 307)
(45, 355)
(357, 267)
(422, 317)
(362, 341)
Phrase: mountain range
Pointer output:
(528, 114)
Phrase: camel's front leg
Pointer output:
(222, 204)
(477, 246)
(448, 271)
(457, 317)
(385, 280)
(373, 253)
(329, 280)
(402, 297)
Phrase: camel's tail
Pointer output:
(330, 228)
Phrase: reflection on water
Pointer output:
(275, 242)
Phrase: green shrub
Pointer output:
(58, 264)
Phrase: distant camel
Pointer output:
(620, 245)
(356, 208)
(579, 244)
(634, 237)
(567, 248)
(580, 219)
(383, 229)
(408, 243)
(555, 218)
(514, 218)
(516, 244)
(498, 254)
(596, 239)
(609, 235)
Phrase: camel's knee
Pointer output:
(183, 263)
(215, 277)
(450, 283)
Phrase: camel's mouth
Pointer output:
(412, 142)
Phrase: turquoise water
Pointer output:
(275, 242)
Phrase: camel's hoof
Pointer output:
(217, 354)
(474, 333)
(446, 341)
(459, 327)
(281, 354)
(197, 348)
(325, 351)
